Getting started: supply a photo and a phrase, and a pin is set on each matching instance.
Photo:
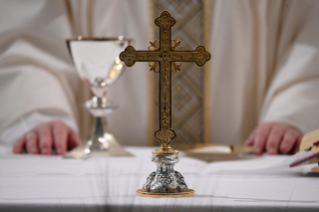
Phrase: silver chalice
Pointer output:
(97, 62)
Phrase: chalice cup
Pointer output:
(97, 62)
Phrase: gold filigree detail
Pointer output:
(176, 45)
(154, 46)
(153, 66)
(176, 66)
(164, 53)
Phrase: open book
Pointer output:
(217, 152)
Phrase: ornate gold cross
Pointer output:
(165, 55)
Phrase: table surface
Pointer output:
(51, 183)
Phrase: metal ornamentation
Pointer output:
(165, 179)
(167, 55)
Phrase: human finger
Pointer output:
(288, 141)
(250, 139)
(32, 142)
(60, 134)
(74, 140)
(261, 138)
(274, 139)
(45, 139)
(19, 146)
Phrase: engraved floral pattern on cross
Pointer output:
(165, 54)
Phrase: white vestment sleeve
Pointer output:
(293, 94)
(297, 106)
(14, 132)
(35, 69)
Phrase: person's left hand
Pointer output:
(274, 138)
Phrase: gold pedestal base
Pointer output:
(186, 193)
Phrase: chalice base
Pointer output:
(186, 193)
(85, 150)
(99, 144)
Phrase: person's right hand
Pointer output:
(275, 138)
(52, 135)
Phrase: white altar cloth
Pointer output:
(51, 183)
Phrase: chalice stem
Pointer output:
(98, 135)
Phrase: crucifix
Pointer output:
(165, 182)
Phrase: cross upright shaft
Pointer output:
(165, 55)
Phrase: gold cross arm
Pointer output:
(199, 56)
(165, 54)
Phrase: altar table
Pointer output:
(51, 183)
